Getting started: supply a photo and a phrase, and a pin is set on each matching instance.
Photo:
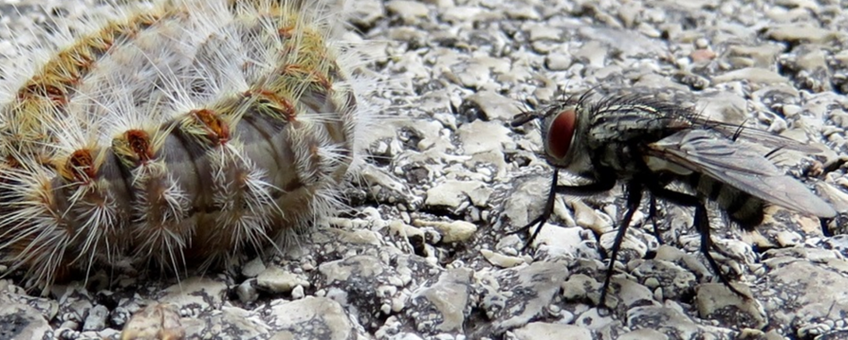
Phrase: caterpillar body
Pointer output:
(175, 133)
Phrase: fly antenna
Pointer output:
(522, 118)
(527, 113)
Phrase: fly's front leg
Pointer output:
(582, 190)
(546, 214)
(634, 198)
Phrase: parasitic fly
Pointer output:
(656, 146)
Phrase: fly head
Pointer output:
(564, 130)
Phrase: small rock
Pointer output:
(310, 318)
(588, 218)
(543, 330)
(367, 12)
(761, 55)
(460, 14)
(492, 106)
(579, 286)
(804, 283)
(565, 242)
(19, 321)
(674, 280)
(196, 293)
(501, 260)
(471, 75)
(724, 106)
(531, 289)
(751, 74)
(408, 11)
(558, 61)
(592, 53)
(800, 33)
(278, 280)
(253, 267)
(229, 323)
(96, 319)
(452, 232)
(593, 319)
(643, 334)
(631, 293)
(159, 321)
(702, 55)
(632, 247)
(545, 32)
(247, 292)
(715, 301)
(452, 193)
(371, 286)
(682, 259)
(668, 320)
(443, 306)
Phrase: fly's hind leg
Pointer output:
(702, 225)
(652, 215)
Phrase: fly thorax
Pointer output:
(617, 157)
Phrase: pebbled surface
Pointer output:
(424, 251)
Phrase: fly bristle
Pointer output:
(180, 134)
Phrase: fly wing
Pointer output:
(743, 168)
(758, 136)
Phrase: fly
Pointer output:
(648, 144)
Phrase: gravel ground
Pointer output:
(426, 253)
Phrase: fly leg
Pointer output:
(579, 190)
(660, 181)
(652, 214)
(544, 217)
(634, 198)
(702, 225)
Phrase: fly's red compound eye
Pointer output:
(560, 133)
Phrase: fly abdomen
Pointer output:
(740, 206)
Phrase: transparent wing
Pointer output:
(758, 136)
(709, 153)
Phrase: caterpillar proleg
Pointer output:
(175, 134)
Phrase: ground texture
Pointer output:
(425, 250)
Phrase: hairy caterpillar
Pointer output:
(174, 133)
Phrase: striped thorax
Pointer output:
(584, 138)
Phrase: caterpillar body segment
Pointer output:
(181, 134)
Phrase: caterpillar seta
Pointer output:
(174, 134)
